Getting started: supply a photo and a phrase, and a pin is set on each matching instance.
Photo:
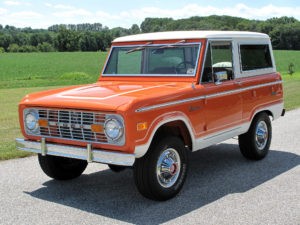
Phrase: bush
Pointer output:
(45, 47)
(2, 50)
(13, 48)
(28, 48)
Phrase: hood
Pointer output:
(105, 95)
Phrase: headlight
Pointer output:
(31, 121)
(113, 129)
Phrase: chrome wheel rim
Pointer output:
(261, 135)
(168, 167)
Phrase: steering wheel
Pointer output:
(183, 66)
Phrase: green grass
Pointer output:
(10, 128)
(48, 69)
(38, 71)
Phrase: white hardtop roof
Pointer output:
(177, 35)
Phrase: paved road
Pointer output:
(222, 188)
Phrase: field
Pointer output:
(22, 73)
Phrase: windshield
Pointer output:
(153, 60)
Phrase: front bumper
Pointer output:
(89, 154)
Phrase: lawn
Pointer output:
(48, 69)
(22, 73)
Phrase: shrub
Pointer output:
(45, 47)
(13, 48)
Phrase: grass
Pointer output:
(21, 74)
(10, 128)
(48, 69)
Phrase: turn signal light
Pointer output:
(97, 128)
(43, 123)
(142, 126)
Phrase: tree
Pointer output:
(45, 47)
(67, 40)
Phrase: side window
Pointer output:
(255, 57)
(218, 62)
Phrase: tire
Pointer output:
(149, 174)
(256, 142)
(116, 168)
(61, 168)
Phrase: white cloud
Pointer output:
(3, 11)
(12, 3)
(60, 6)
(239, 10)
(15, 3)
(72, 13)
(26, 15)
(64, 13)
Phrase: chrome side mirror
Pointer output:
(220, 76)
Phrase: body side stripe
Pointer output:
(148, 108)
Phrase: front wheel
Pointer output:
(256, 142)
(160, 174)
(61, 168)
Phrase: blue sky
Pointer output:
(113, 13)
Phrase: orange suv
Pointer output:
(159, 96)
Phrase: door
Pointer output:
(223, 102)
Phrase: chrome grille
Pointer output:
(71, 124)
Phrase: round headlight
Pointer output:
(113, 129)
(31, 121)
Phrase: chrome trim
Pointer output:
(168, 168)
(75, 125)
(147, 108)
(43, 147)
(89, 154)
(156, 75)
(261, 135)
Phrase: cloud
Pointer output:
(15, 3)
(26, 15)
(64, 13)
(3, 11)
(60, 6)
(72, 13)
(239, 10)
(12, 3)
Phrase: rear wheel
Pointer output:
(256, 142)
(160, 174)
(61, 168)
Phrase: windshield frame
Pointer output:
(141, 75)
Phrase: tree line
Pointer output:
(284, 33)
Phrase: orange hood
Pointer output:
(106, 95)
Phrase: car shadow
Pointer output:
(214, 173)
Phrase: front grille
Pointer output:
(72, 124)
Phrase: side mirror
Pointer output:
(220, 76)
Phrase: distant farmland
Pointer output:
(65, 68)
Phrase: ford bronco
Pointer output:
(159, 96)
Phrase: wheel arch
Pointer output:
(178, 126)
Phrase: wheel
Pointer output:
(256, 142)
(116, 168)
(61, 168)
(160, 174)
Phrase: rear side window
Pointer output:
(254, 57)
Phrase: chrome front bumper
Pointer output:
(89, 154)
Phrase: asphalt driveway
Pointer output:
(222, 188)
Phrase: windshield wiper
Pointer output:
(168, 46)
(140, 48)
(172, 45)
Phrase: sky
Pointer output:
(122, 13)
